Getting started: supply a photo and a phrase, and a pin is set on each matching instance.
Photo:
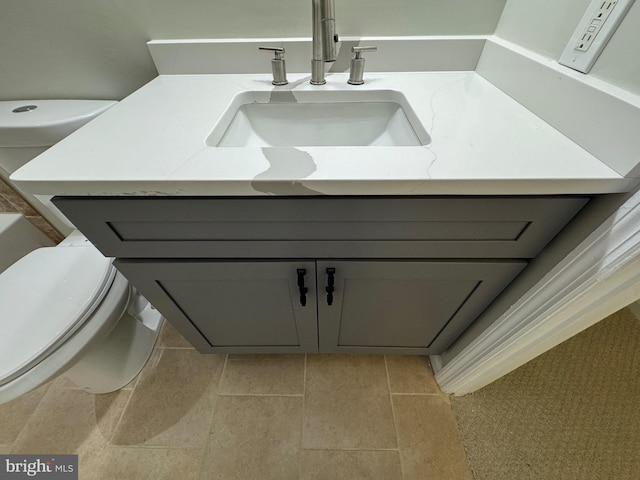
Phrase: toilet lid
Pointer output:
(44, 298)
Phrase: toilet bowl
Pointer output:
(66, 309)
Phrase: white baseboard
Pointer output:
(436, 363)
(635, 309)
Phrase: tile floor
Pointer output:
(192, 416)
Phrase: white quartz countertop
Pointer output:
(482, 143)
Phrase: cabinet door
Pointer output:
(233, 306)
(417, 307)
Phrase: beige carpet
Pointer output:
(572, 413)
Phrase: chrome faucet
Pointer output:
(324, 38)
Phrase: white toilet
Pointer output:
(65, 309)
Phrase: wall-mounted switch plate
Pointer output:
(593, 32)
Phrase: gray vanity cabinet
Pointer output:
(405, 274)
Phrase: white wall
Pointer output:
(96, 48)
(525, 23)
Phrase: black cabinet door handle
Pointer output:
(303, 290)
(330, 282)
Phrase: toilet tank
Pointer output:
(29, 127)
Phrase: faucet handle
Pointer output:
(278, 51)
(277, 65)
(358, 50)
(356, 70)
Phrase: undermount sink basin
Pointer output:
(323, 118)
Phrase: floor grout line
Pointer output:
(117, 426)
(213, 412)
(416, 394)
(286, 395)
(213, 408)
(304, 395)
(393, 414)
(353, 449)
(156, 447)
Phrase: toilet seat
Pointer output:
(46, 297)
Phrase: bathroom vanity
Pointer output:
(330, 274)
(335, 247)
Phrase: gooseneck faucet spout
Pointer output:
(324, 38)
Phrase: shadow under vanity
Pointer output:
(345, 274)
